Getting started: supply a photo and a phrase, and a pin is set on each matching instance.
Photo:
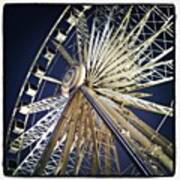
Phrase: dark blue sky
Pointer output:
(25, 28)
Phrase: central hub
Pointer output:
(73, 78)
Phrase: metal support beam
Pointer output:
(107, 119)
(54, 137)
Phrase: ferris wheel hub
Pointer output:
(73, 79)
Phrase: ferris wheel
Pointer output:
(113, 53)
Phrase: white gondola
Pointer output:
(31, 90)
(72, 20)
(15, 147)
(39, 71)
(18, 126)
(60, 37)
(24, 110)
(49, 55)
(87, 7)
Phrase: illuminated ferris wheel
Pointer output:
(113, 53)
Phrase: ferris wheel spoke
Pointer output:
(116, 159)
(164, 68)
(142, 127)
(82, 34)
(151, 61)
(104, 44)
(99, 42)
(101, 138)
(136, 102)
(93, 130)
(95, 146)
(117, 65)
(81, 155)
(95, 44)
(36, 131)
(121, 46)
(81, 140)
(61, 167)
(71, 61)
(112, 43)
(160, 56)
(56, 134)
(148, 84)
(167, 64)
(109, 154)
(50, 79)
(44, 105)
(151, 134)
(28, 165)
(84, 141)
(71, 140)
(130, 72)
(92, 98)
(87, 149)
(159, 72)
(140, 95)
(154, 150)
(107, 163)
(55, 157)
(63, 157)
(143, 146)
